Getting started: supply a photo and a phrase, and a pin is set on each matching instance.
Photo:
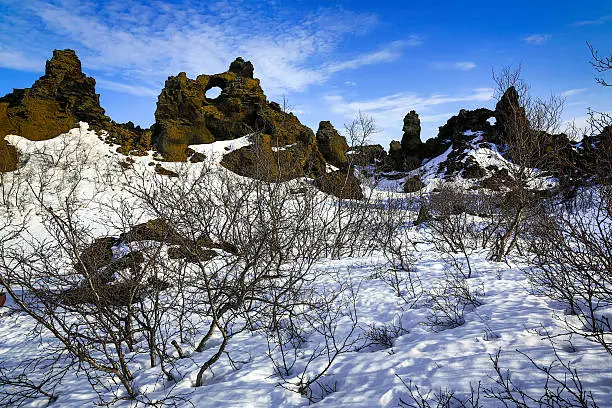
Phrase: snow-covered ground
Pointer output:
(511, 319)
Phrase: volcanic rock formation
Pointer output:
(56, 102)
(332, 145)
(185, 115)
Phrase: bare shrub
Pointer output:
(572, 262)
(448, 301)
(562, 387)
(443, 398)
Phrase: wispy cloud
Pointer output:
(389, 110)
(597, 21)
(461, 65)
(572, 92)
(17, 60)
(537, 39)
(140, 42)
(388, 54)
(126, 88)
(402, 101)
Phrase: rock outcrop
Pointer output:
(407, 154)
(510, 116)
(281, 147)
(411, 140)
(56, 102)
(185, 115)
(341, 183)
(263, 161)
(332, 145)
(368, 154)
(413, 184)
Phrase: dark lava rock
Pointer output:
(368, 154)
(191, 256)
(413, 184)
(472, 169)
(510, 116)
(185, 115)
(97, 255)
(56, 102)
(154, 230)
(411, 140)
(261, 160)
(474, 120)
(161, 170)
(332, 145)
(341, 183)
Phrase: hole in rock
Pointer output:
(213, 93)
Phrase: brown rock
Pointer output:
(262, 161)
(185, 115)
(56, 102)
(368, 154)
(332, 145)
(413, 184)
(341, 183)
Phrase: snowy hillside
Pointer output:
(347, 303)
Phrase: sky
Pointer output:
(330, 60)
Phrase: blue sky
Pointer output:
(330, 59)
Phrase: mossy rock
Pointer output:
(413, 184)
(154, 230)
(332, 145)
(262, 161)
(185, 115)
(9, 157)
(341, 183)
(191, 256)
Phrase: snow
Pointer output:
(511, 318)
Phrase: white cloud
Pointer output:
(537, 39)
(597, 21)
(572, 92)
(17, 60)
(126, 88)
(402, 101)
(388, 111)
(388, 54)
(350, 83)
(136, 42)
(461, 65)
(465, 66)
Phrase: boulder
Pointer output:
(341, 183)
(368, 154)
(472, 170)
(413, 184)
(261, 160)
(396, 155)
(474, 120)
(332, 145)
